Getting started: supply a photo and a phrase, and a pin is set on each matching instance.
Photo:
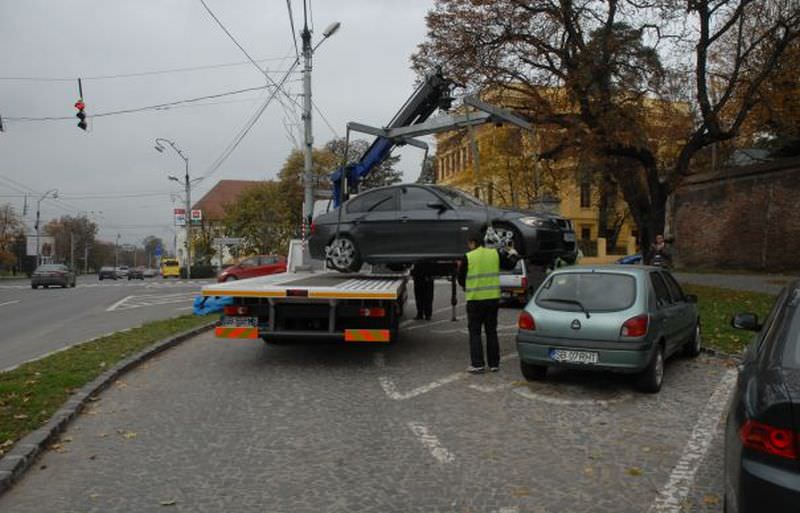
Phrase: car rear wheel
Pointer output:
(34, 287)
(653, 376)
(695, 344)
(343, 255)
(231, 277)
(533, 372)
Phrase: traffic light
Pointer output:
(81, 115)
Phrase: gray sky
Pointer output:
(361, 73)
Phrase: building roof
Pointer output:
(224, 192)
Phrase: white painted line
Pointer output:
(118, 304)
(430, 441)
(427, 324)
(185, 308)
(530, 394)
(10, 302)
(489, 389)
(681, 480)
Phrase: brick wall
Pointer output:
(740, 218)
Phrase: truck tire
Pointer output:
(343, 255)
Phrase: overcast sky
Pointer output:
(360, 74)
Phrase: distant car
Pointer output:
(53, 274)
(260, 265)
(405, 224)
(630, 259)
(627, 319)
(520, 283)
(170, 268)
(122, 271)
(149, 272)
(107, 273)
(762, 431)
(136, 273)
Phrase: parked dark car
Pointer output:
(53, 274)
(630, 259)
(107, 273)
(406, 224)
(136, 273)
(762, 433)
(259, 265)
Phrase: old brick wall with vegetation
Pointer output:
(740, 218)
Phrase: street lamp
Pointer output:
(89, 214)
(308, 196)
(188, 185)
(54, 193)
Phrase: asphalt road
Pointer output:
(236, 425)
(36, 322)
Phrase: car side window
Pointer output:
(660, 288)
(249, 262)
(769, 323)
(674, 289)
(417, 198)
(377, 201)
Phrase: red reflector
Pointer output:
(313, 227)
(769, 439)
(235, 310)
(524, 282)
(526, 322)
(373, 312)
(297, 293)
(635, 326)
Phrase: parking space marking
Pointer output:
(530, 394)
(681, 479)
(490, 389)
(10, 302)
(431, 442)
(117, 304)
(390, 388)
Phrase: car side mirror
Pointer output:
(441, 207)
(746, 321)
(691, 298)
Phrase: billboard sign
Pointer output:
(180, 216)
(47, 246)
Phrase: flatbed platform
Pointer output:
(316, 285)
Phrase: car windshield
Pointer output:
(458, 198)
(597, 292)
(170, 262)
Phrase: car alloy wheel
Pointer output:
(499, 237)
(343, 256)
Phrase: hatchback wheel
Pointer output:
(533, 372)
(653, 376)
(343, 255)
(695, 345)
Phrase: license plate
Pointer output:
(506, 294)
(568, 356)
(240, 322)
(569, 237)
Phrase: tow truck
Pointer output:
(365, 307)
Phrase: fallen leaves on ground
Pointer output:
(634, 471)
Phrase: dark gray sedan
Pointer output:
(407, 224)
(53, 274)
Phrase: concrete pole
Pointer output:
(308, 142)
(188, 223)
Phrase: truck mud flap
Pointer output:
(228, 332)
(367, 336)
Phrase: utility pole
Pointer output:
(308, 140)
(116, 253)
(188, 197)
(72, 250)
(54, 192)
(86, 257)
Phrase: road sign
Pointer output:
(128, 247)
(228, 241)
(180, 216)
(157, 252)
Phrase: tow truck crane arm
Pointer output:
(432, 94)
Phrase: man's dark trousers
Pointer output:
(423, 295)
(483, 313)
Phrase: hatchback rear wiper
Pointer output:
(571, 302)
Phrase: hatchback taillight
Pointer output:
(236, 310)
(524, 282)
(526, 322)
(635, 326)
(769, 439)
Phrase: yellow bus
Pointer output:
(170, 267)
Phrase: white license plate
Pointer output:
(240, 322)
(506, 294)
(565, 355)
(569, 237)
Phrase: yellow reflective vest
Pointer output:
(483, 274)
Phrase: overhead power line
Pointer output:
(291, 25)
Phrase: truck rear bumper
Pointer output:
(350, 335)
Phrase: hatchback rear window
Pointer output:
(597, 292)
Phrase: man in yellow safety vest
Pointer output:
(479, 275)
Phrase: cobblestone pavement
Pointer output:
(764, 283)
(237, 426)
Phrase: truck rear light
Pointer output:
(236, 310)
(769, 439)
(372, 312)
(524, 282)
(526, 322)
(635, 326)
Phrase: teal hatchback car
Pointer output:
(618, 318)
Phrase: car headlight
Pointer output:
(534, 222)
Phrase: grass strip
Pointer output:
(717, 306)
(31, 393)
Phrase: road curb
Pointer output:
(25, 452)
(720, 354)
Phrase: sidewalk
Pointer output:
(763, 283)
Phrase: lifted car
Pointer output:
(407, 224)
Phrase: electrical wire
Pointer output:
(335, 133)
(291, 24)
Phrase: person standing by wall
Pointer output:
(479, 275)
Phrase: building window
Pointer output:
(586, 191)
(586, 232)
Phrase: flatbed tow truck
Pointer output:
(309, 305)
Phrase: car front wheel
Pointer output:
(343, 255)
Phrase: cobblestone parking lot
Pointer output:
(226, 425)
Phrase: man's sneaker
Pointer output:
(494, 369)
(476, 370)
